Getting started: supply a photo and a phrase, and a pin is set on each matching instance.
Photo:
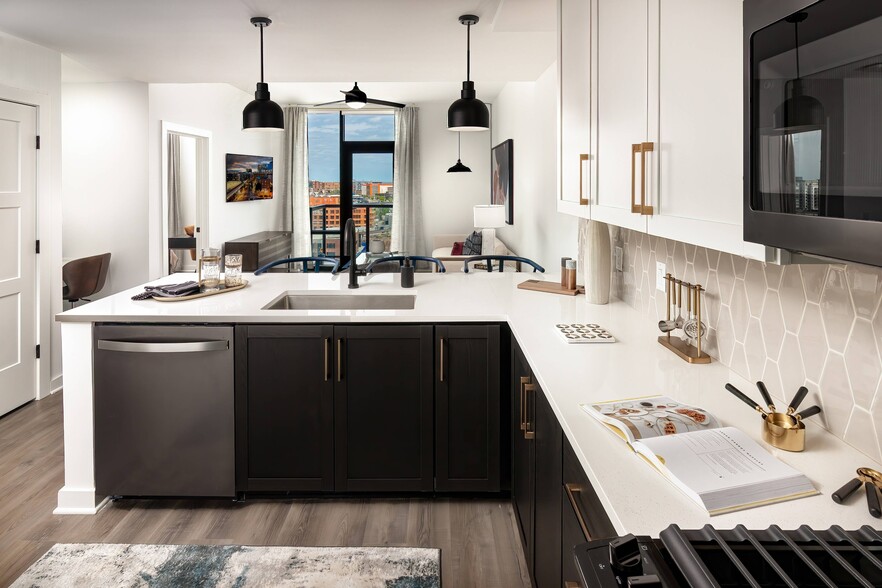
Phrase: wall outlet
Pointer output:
(660, 276)
(619, 256)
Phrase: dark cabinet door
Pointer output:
(285, 402)
(383, 408)
(522, 463)
(548, 439)
(467, 410)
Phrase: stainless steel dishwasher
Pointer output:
(164, 423)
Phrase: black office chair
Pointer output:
(318, 261)
(84, 277)
(400, 259)
(489, 259)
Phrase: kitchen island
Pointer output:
(634, 496)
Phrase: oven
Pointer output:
(813, 127)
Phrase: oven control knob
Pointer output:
(624, 554)
(649, 581)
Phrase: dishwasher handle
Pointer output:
(170, 347)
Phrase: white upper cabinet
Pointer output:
(665, 148)
(700, 104)
(576, 106)
(624, 175)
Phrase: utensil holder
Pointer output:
(682, 348)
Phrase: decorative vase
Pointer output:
(595, 249)
(377, 246)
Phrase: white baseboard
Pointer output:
(78, 501)
(55, 384)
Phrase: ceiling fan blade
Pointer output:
(327, 103)
(385, 103)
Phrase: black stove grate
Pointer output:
(773, 558)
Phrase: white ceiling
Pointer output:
(183, 41)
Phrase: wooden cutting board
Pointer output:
(550, 287)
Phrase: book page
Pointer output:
(652, 416)
(717, 459)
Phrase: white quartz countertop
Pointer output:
(636, 497)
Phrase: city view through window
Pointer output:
(352, 154)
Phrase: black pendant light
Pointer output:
(468, 113)
(799, 111)
(262, 114)
(458, 166)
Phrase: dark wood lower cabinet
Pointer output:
(284, 408)
(522, 454)
(383, 409)
(467, 408)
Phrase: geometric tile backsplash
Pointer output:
(816, 325)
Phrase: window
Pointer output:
(350, 176)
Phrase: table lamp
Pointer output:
(487, 218)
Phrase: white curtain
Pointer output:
(295, 181)
(407, 210)
(175, 224)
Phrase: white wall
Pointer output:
(104, 178)
(216, 108)
(448, 198)
(527, 113)
(32, 68)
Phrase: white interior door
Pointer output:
(18, 183)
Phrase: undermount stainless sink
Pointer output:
(332, 301)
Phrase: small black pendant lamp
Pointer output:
(468, 113)
(799, 111)
(458, 166)
(262, 114)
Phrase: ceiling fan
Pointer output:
(355, 98)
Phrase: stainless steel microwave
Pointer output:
(813, 127)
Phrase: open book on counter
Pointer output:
(720, 468)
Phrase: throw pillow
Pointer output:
(457, 248)
(472, 245)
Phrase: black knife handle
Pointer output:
(810, 411)
(843, 493)
(873, 500)
(743, 397)
(765, 392)
(798, 398)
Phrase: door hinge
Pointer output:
(37, 248)
(38, 141)
(38, 352)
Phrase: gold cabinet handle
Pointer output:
(327, 360)
(529, 433)
(571, 584)
(339, 360)
(645, 209)
(583, 157)
(571, 490)
(635, 149)
(441, 362)
(524, 381)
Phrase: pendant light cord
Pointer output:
(796, 46)
(458, 146)
(468, 52)
(261, 54)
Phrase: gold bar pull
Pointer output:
(635, 149)
(571, 490)
(645, 209)
(441, 363)
(583, 157)
(524, 381)
(327, 358)
(529, 433)
(339, 360)
(571, 584)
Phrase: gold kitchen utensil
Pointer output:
(784, 430)
(682, 348)
(871, 480)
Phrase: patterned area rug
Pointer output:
(232, 566)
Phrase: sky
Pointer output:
(324, 146)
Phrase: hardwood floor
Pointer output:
(478, 538)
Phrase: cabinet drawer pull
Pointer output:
(583, 157)
(635, 149)
(571, 490)
(441, 362)
(645, 209)
(327, 358)
(524, 381)
(529, 433)
(170, 347)
(339, 360)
